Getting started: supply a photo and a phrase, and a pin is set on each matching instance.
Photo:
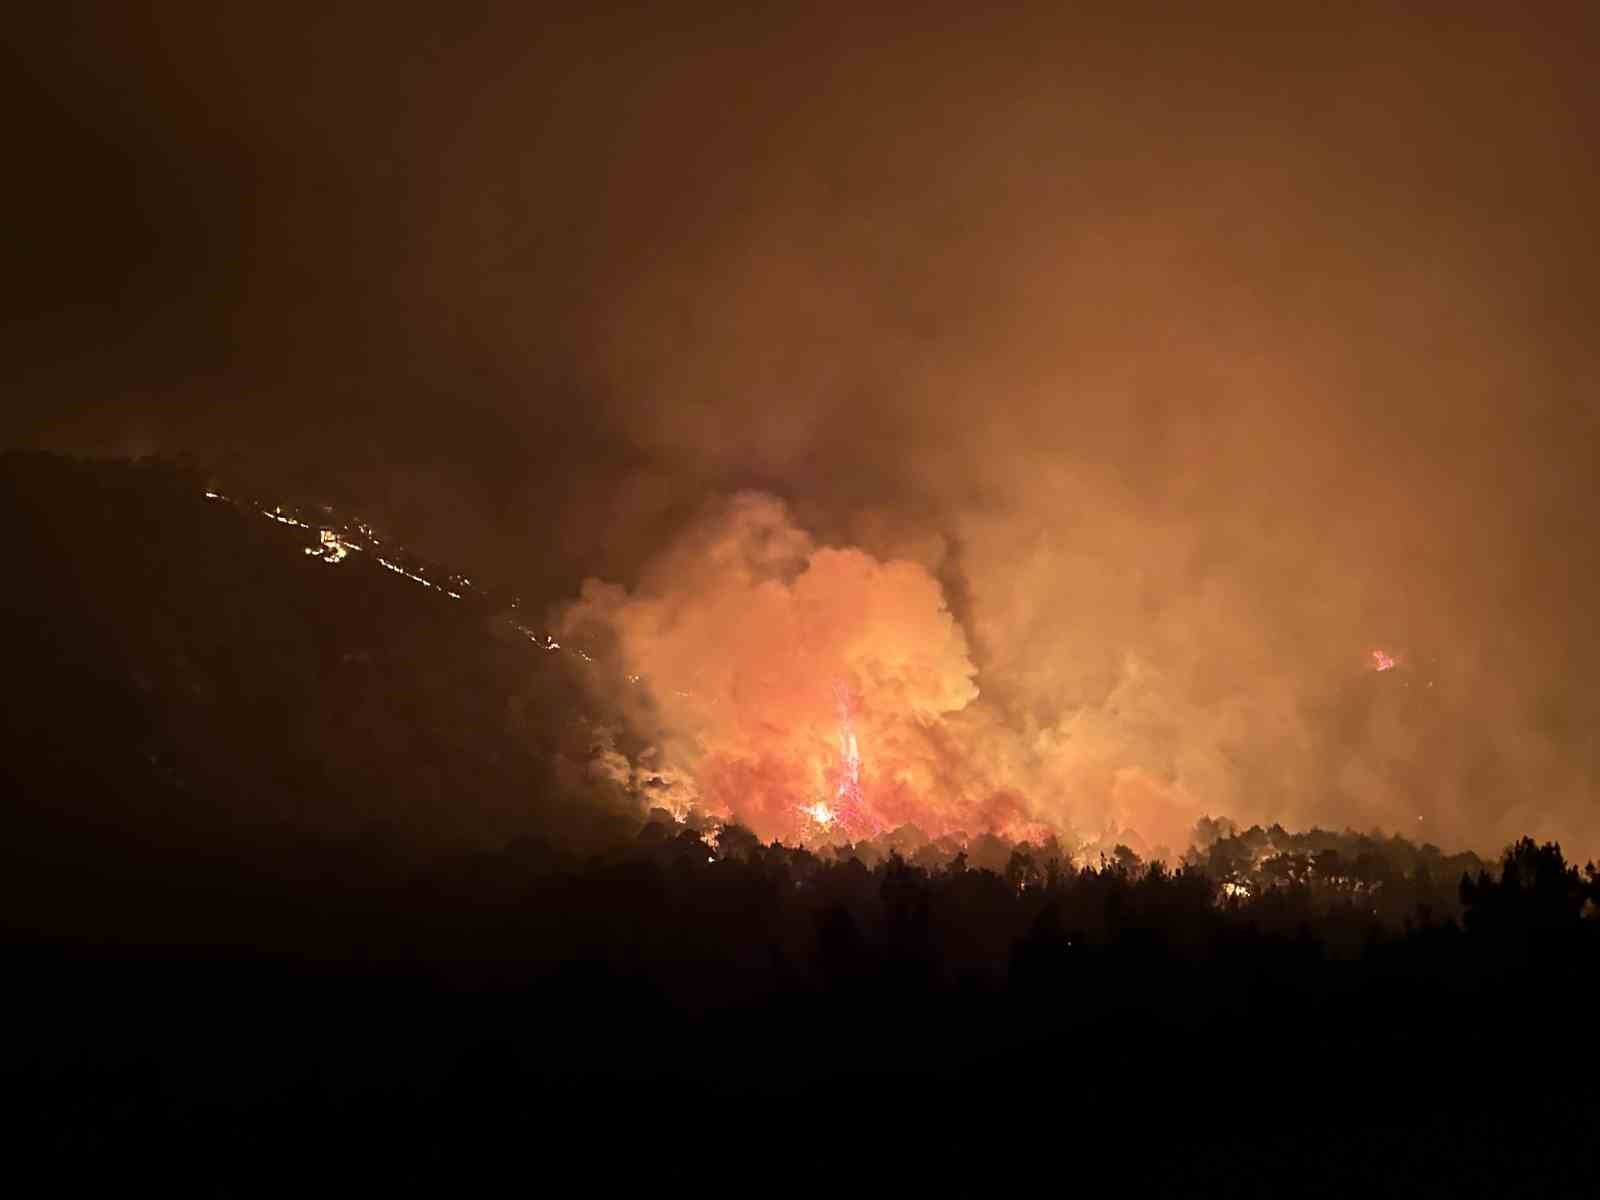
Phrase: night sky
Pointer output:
(1092, 388)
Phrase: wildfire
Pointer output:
(277, 514)
(415, 578)
(846, 814)
(848, 809)
(1384, 662)
(819, 812)
(331, 548)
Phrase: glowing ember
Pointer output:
(1384, 662)
(331, 548)
(277, 514)
(415, 578)
(542, 640)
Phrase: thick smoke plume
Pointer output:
(740, 640)
(736, 649)
(1128, 375)
(1136, 689)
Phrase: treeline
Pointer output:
(749, 991)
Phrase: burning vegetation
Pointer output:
(405, 891)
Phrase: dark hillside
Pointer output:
(183, 680)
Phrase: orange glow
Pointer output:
(820, 813)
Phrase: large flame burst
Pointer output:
(848, 814)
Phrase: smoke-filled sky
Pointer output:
(1087, 390)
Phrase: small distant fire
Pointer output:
(1382, 661)
(331, 548)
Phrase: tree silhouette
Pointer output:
(1537, 891)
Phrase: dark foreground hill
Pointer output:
(296, 892)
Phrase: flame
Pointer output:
(820, 813)
(1384, 661)
(277, 514)
(331, 548)
(848, 813)
(849, 810)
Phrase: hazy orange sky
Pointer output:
(1096, 385)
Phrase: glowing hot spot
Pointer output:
(819, 812)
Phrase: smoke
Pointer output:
(1089, 390)
(731, 657)
(1142, 678)
(734, 647)
(1179, 404)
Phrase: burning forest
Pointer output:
(681, 595)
